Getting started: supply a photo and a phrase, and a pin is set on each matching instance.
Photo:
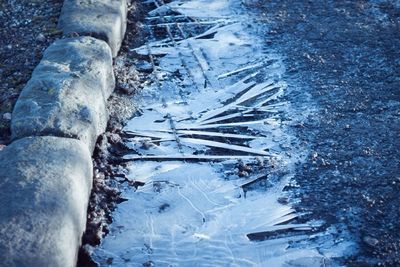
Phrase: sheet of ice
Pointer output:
(213, 151)
(191, 216)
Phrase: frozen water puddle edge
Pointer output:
(211, 151)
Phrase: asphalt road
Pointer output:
(344, 56)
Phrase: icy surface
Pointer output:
(213, 151)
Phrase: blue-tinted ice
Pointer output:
(213, 150)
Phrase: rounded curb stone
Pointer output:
(66, 95)
(45, 185)
(103, 19)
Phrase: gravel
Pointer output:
(344, 56)
(28, 27)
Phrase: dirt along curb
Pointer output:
(46, 172)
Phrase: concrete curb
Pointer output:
(46, 172)
(45, 186)
(102, 19)
(67, 93)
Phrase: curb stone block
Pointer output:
(45, 185)
(103, 19)
(66, 95)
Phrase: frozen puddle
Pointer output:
(212, 151)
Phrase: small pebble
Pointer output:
(41, 37)
(243, 174)
(7, 116)
(144, 66)
(283, 200)
(371, 241)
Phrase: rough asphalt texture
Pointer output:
(345, 55)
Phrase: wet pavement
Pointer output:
(260, 138)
